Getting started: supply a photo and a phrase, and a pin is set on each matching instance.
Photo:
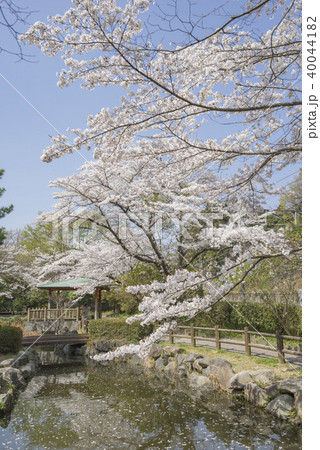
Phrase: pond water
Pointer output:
(119, 407)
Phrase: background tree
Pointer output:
(286, 277)
(23, 255)
(4, 210)
(16, 276)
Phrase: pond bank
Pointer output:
(206, 375)
(15, 374)
(126, 406)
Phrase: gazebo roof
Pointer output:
(71, 284)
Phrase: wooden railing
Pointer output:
(34, 315)
(54, 339)
(246, 343)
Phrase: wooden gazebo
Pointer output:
(72, 285)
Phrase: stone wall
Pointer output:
(283, 399)
(58, 327)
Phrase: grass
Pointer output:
(241, 362)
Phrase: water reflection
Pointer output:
(117, 406)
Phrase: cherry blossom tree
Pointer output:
(185, 163)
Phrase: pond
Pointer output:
(117, 406)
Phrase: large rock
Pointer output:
(272, 391)
(169, 369)
(135, 360)
(221, 361)
(103, 346)
(255, 395)
(281, 406)
(220, 374)
(224, 374)
(13, 377)
(107, 345)
(28, 370)
(263, 376)
(90, 351)
(161, 362)
(210, 371)
(6, 401)
(197, 366)
(200, 382)
(239, 380)
(182, 371)
(290, 386)
(124, 357)
(34, 357)
(7, 362)
(202, 363)
(189, 358)
(298, 403)
(21, 360)
(148, 362)
(172, 351)
(155, 351)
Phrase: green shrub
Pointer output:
(262, 317)
(117, 328)
(10, 339)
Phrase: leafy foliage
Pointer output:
(266, 319)
(117, 329)
(4, 210)
(10, 339)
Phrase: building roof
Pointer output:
(72, 283)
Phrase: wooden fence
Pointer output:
(246, 343)
(34, 315)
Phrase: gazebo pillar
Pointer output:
(58, 299)
(49, 298)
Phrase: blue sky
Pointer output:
(24, 133)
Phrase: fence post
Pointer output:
(170, 337)
(280, 347)
(247, 341)
(28, 315)
(45, 314)
(78, 312)
(218, 346)
(193, 342)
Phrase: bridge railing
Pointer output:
(34, 315)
